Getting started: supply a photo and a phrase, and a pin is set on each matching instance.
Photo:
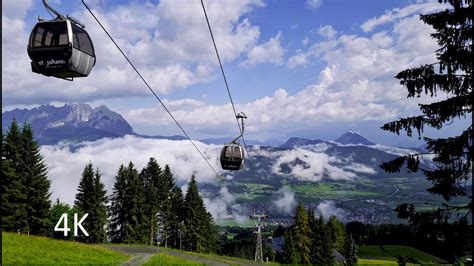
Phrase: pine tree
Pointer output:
(118, 212)
(337, 232)
(127, 221)
(302, 234)
(289, 253)
(199, 229)
(150, 177)
(91, 199)
(175, 221)
(134, 203)
(322, 246)
(34, 171)
(327, 247)
(99, 217)
(350, 251)
(13, 188)
(166, 192)
(451, 75)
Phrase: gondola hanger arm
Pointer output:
(50, 8)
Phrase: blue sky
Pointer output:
(308, 68)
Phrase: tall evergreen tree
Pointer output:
(199, 230)
(337, 232)
(118, 230)
(322, 246)
(134, 203)
(167, 188)
(175, 221)
(302, 234)
(13, 188)
(37, 184)
(151, 176)
(350, 251)
(289, 253)
(450, 75)
(91, 198)
(99, 217)
(127, 208)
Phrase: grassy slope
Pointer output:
(374, 252)
(22, 249)
(165, 259)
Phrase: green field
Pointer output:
(390, 253)
(165, 259)
(376, 262)
(23, 249)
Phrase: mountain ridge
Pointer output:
(76, 122)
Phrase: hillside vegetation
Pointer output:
(20, 249)
(391, 252)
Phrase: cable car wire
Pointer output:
(225, 79)
(151, 90)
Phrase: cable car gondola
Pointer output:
(232, 155)
(61, 47)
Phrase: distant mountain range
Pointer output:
(73, 123)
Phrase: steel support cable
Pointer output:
(151, 90)
(225, 79)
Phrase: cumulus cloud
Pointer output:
(65, 166)
(399, 13)
(16, 9)
(356, 84)
(327, 31)
(285, 201)
(328, 208)
(299, 59)
(307, 165)
(223, 206)
(270, 52)
(168, 41)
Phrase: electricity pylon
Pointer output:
(259, 248)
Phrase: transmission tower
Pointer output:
(259, 225)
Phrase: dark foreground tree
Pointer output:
(200, 233)
(127, 215)
(302, 235)
(350, 251)
(91, 199)
(452, 77)
(33, 170)
(13, 188)
(151, 176)
(289, 253)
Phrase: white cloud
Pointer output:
(327, 31)
(285, 201)
(357, 84)
(308, 166)
(270, 52)
(313, 4)
(65, 167)
(400, 13)
(328, 208)
(169, 42)
(15, 9)
(300, 59)
(223, 206)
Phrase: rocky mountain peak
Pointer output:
(353, 138)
